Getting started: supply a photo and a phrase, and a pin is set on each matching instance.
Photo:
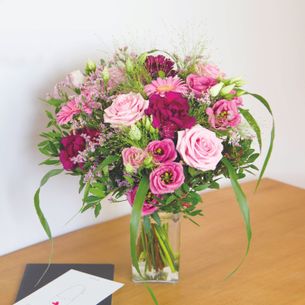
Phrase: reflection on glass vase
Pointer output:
(158, 249)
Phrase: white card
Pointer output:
(72, 288)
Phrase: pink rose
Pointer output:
(133, 157)
(162, 151)
(150, 203)
(224, 114)
(200, 84)
(126, 109)
(208, 70)
(166, 178)
(199, 148)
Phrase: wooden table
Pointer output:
(273, 273)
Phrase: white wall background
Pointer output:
(40, 41)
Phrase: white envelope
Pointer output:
(72, 288)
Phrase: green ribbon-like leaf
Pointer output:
(252, 122)
(243, 204)
(272, 136)
(39, 212)
(135, 219)
(41, 216)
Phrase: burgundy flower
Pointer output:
(170, 113)
(71, 146)
(155, 64)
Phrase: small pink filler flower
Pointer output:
(162, 85)
(166, 178)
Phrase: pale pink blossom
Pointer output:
(199, 148)
(117, 76)
(162, 85)
(75, 78)
(208, 70)
(125, 110)
(224, 113)
(166, 178)
(133, 157)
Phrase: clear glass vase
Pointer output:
(158, 249)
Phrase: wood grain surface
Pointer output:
(272, 274)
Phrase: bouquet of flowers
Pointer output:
(158, 129)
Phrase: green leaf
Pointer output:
(50, 174)
(39, 212)
(50, 162)
(97, 192)
(97, 209)
(40, 215)
(152, 294)
(106, 162)
(252, 122)
(135, 219)
(54, 102)
(155, 216)
(201, 187)
(272, 136)
(243, 204)
(252, 158)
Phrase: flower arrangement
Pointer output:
(157, 128)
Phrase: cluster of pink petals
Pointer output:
(76, 105)
(166, 178)
(162, 151)
(199, 148)
(224, 113)
(169, 84)
(67, 111)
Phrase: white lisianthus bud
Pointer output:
(76, 78)
(129, 169)
(227, 89)
(105, 75)
(214, 91)
(90, 66)
(148, 162)
(129, 66)
(135, 133)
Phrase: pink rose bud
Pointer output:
(199, 148)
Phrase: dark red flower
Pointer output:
(170, 113)
(73, 144)
(159, 63)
